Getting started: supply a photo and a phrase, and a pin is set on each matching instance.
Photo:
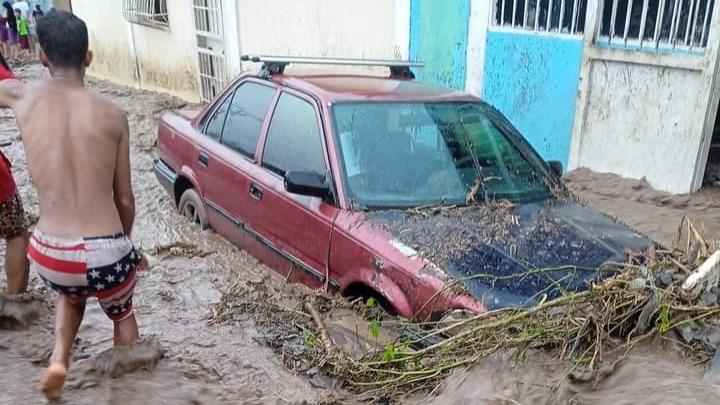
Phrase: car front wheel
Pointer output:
(191, 207)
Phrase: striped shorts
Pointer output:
(103, 267)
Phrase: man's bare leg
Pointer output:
(68, 316)
(126, 331)
(16, 264)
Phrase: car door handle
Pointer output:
(203, 159)
(256, 192)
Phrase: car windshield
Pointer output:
(410, 154)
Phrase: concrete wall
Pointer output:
(333, 28)
(646, 115)
(533, 79)
(643, 121)
(140, 56)
(110, 40)
(168, 59)
(439, 37)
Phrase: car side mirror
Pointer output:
(306, 183)
(556, 167)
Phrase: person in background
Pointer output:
(4, 33)
(12, 218)
(36, 15)
(23, 31)
(12, 28)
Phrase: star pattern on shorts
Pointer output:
(118, 268)
(99, 286)
(110, 278)
(94, 273)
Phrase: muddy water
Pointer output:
(201, 364)
(649, 211)
(644, 378)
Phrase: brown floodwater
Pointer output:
(184, 359)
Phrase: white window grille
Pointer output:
(659, 25)
(150, 13)
(213, 75)
(208, 18)
(558, 16)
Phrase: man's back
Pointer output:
(72, 138)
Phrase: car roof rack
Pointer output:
(273, 65)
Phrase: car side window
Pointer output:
(245, 117)
(215, 124)
(293, 139)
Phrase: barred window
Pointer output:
(150, 13)
(553, 16)
(659, 25)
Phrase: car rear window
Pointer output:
(293, 140)
(245, 117)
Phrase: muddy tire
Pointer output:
(191, 207)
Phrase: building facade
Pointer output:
(618, 86)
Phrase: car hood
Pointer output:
(513, 256)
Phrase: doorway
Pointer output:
(712, 168)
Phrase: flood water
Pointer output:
(229, 362)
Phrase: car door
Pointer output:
(231, 161)
(298, 226)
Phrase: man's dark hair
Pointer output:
(64, 39)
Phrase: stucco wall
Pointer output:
(168, 59)
(439, 37)
(140, 56)
(533, 80)
(643, 121)
(332, 28)
(109, 40)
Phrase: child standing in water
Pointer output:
(23, 30)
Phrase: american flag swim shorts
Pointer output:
(103, 267)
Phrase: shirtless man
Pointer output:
(77, 150)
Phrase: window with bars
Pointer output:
(150, 13)
(658, 25)
(557, 16)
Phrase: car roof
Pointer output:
(351, 87)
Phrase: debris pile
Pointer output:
(659, 293)
(656, 294)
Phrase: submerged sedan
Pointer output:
(424, 198)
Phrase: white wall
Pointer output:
(109, 40)
(140, 56)
(168, 59)
(646, 115)
(373, 29)
(643, 121)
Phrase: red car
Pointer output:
(377, 187)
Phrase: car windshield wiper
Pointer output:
(479, 183)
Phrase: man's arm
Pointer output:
(11, 90)
(122, 185)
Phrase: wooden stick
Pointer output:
(322, 331)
